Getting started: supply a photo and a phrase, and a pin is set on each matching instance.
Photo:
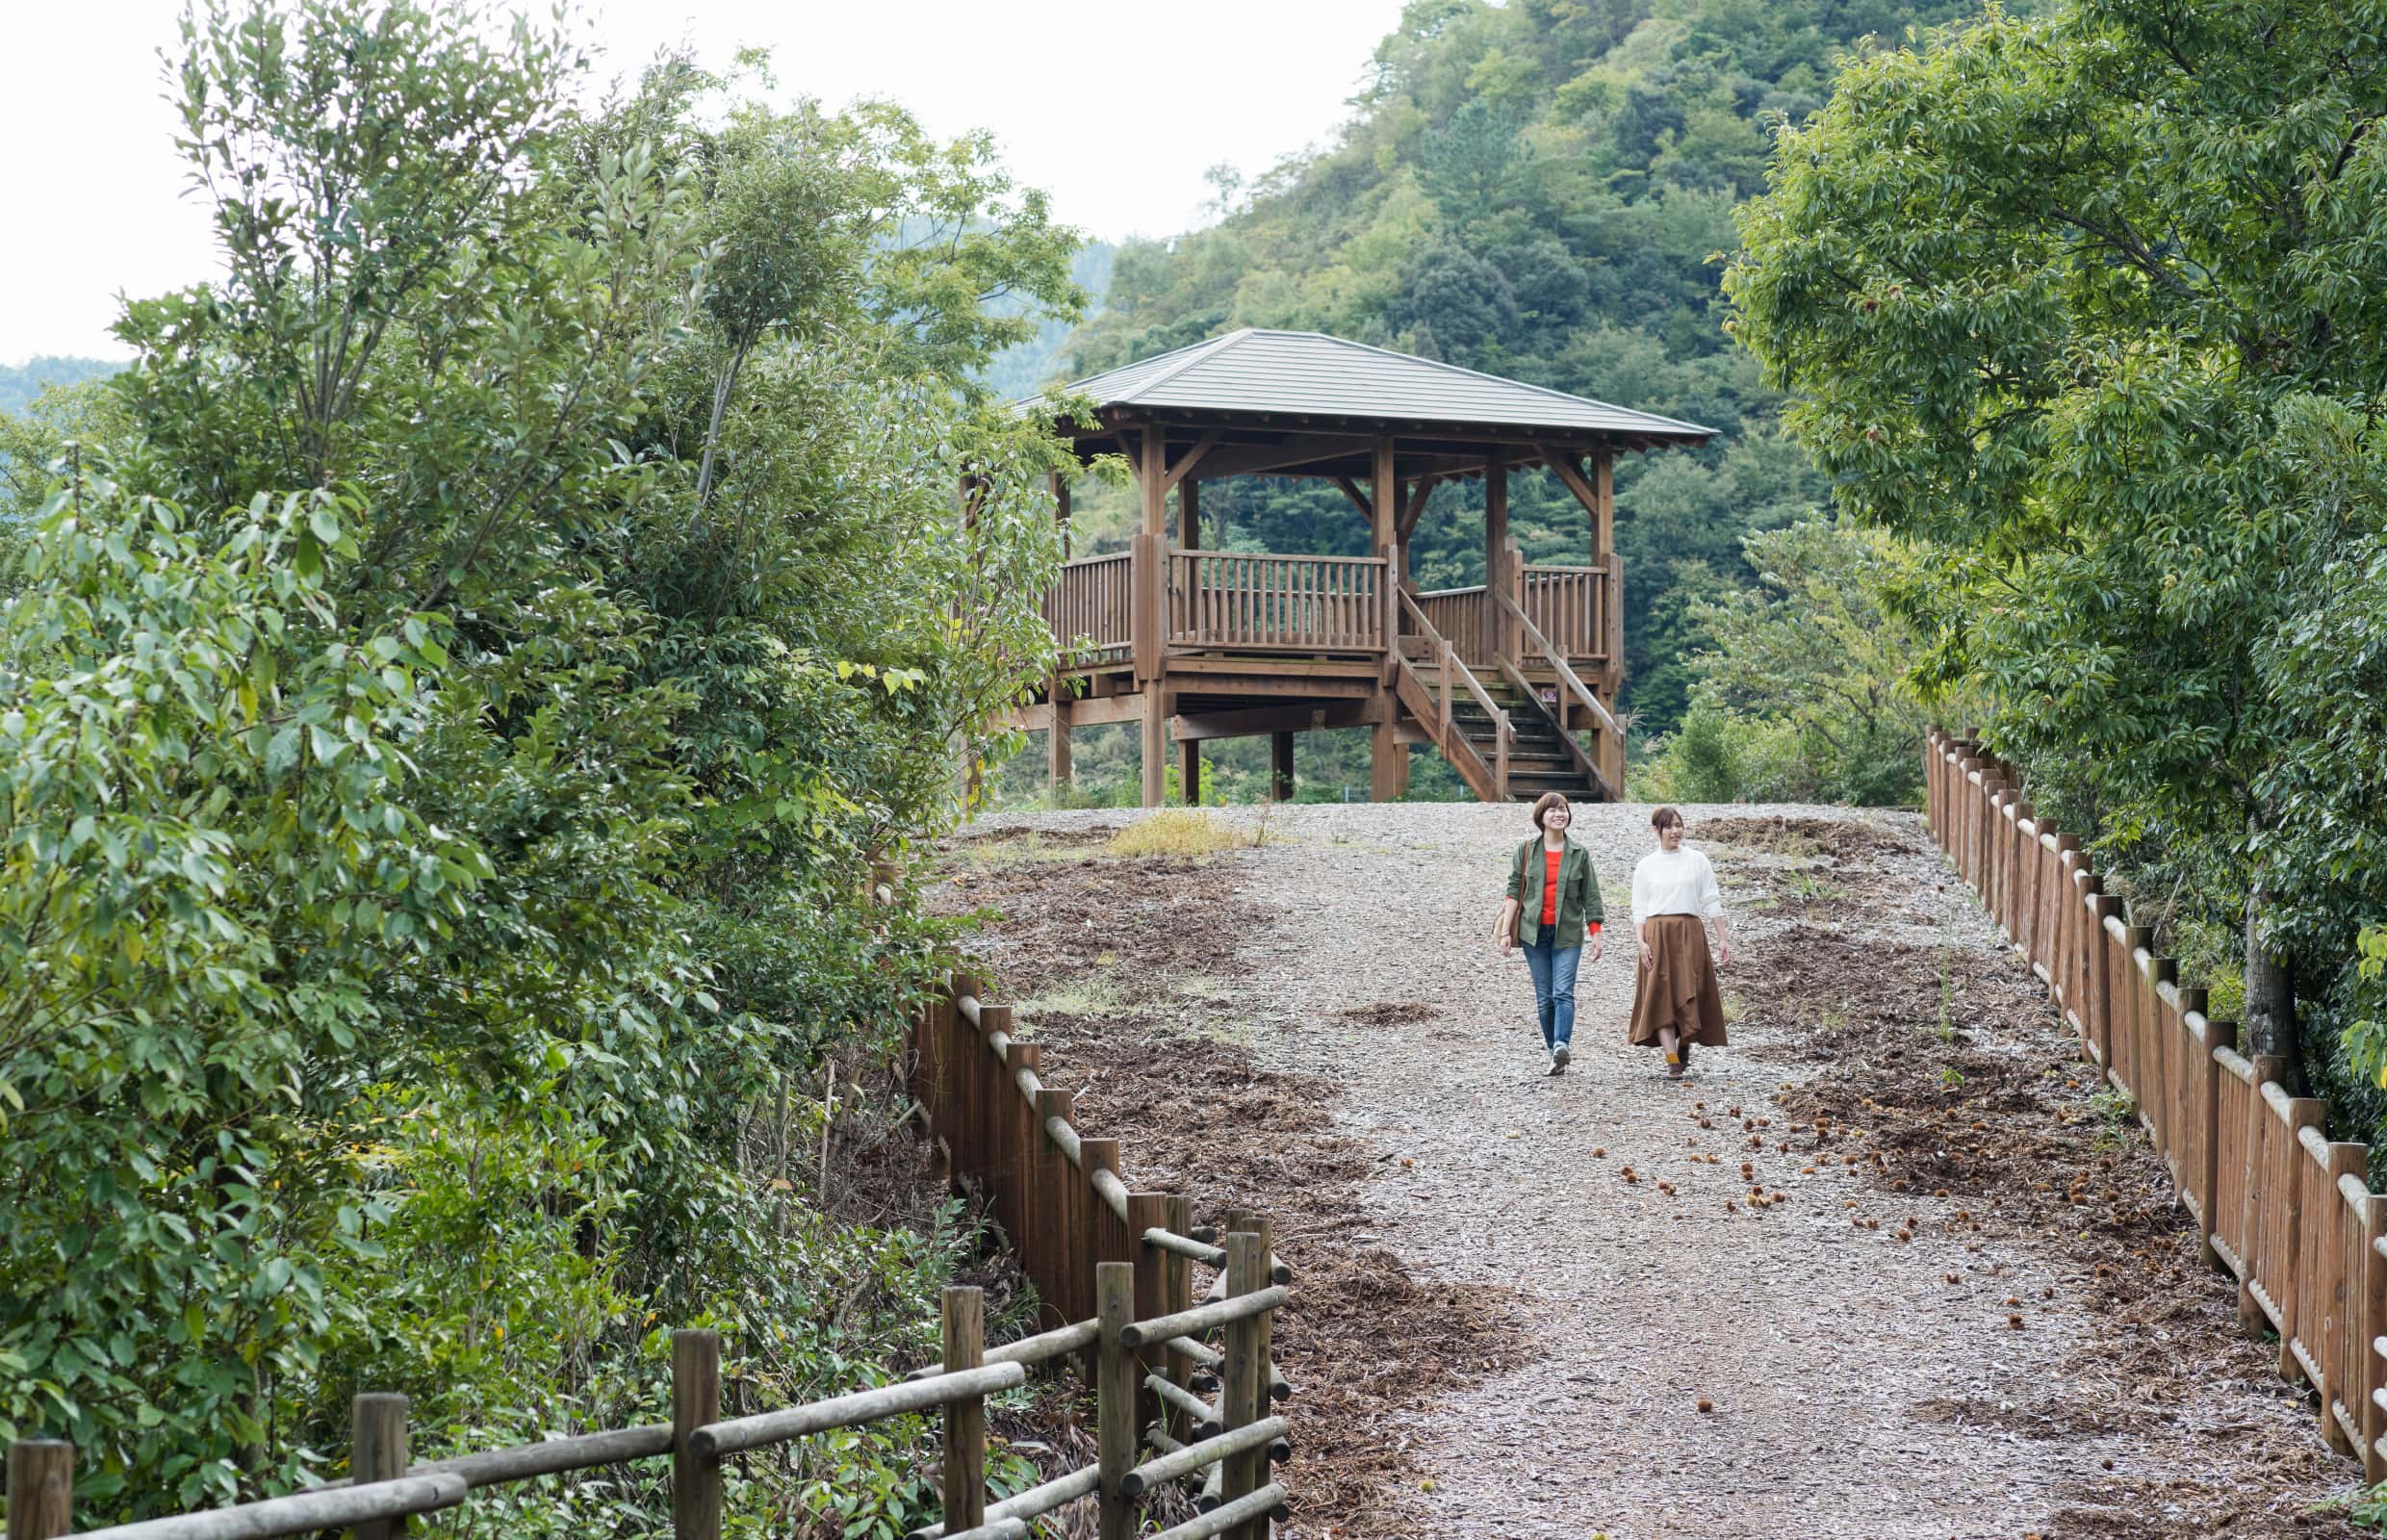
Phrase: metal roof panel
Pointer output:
(1310, 373)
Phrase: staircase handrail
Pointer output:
(1573, 682)
(1566, 675)
(1505, 732)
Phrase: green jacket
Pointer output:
(1579, 892)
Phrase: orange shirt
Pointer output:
(1549, 885)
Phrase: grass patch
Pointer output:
(1178, 832)
(1089, 994)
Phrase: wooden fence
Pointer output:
(1115, 1270)
(2277, 1202)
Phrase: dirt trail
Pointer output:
(2018, 1343)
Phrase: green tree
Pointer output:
(448, 708)
(2076, 300)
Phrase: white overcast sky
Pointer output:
(1115, 109)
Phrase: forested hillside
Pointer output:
(20, 383)
(1546, 190)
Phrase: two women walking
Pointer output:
(1553, 908)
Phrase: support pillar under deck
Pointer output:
(1280, 767)
(1155, 736)
(1057, 740)
(1190, 773)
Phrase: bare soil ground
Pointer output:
(1884, 1270)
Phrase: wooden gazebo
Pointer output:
(1512, 680)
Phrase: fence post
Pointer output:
(2370, 1321)
(1243, 1377)
(2218, 1035)
(1054, 1210)
(1105, 1232)
(41, 1488)
(969, 1051)
(1176, 1294)
(1149, 1211)
(965, 1418)
(2102, 982)
(1114, 1398)
(377, 1453)
(2262, 1206)
(1021, 1137)
(695, 1400)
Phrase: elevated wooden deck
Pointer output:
(1235, 643)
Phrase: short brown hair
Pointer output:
(1663, 817)
(1546, 801)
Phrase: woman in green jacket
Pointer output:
(1553, 901)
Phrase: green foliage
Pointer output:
(458, 676)
(1542, 189)
(2091, 306)
(1802, 696)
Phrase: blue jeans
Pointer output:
(1553, 989)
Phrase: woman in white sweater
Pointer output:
(1676, 1001)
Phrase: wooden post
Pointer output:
(1494, 552)
(1020, 1137)
(2339, 1296)
(2370, 1321)
(1188, 514)
(1057, 764)
(1116, 1399)
(2218, 1035)
(1154, 740)
(966, 1420)
(969, 1074)
(1149, 1211)
(41, 1488)
(1177, 1293)
(1244, 1376)
(2259, 1199)
(1189, 772)
(377, 1453)
(1280, 767)
(695, 1400)
(1054, 1178)
(1603, 556)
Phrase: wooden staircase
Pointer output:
(1502, 741)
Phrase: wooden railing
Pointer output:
(1266, 602)
(1607, 767)
(2282, 1207)
(1570, 606)
(1433, 706)
(1463, 616)
(1113, 1269)
(1093, 603)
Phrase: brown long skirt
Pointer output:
(1677, 990)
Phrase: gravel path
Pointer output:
(1821, 1345)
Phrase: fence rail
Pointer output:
(2277, 1203)
(1093, 607)
(1113, 1269)
(1298, 604)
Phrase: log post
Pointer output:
(1280, 767)
(2218, 1035)
(1176, 1294)
(695, 1400)
(2369, 1322)
(1115, 1393)
(967, 1063)
(1055, 1178)
(1244, 1376)
(41, 1488)
(377, 1453)
(1021, 1138)
(965, 1418)
(1149, 1211)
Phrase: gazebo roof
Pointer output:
(1285, 377)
